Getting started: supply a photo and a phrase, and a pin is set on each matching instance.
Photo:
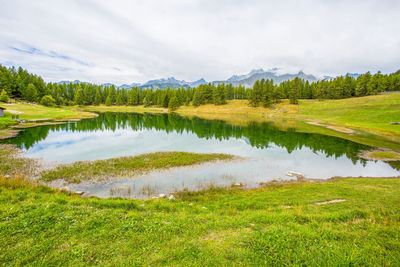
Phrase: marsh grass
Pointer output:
(279, 224)
(13, 164)
(17, 182)
(127, 166)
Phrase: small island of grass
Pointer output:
(385, 155)
(127, 166)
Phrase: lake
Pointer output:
(268, 152)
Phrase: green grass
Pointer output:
(135, 109)
(384, 155)
(123, 166)
(371, 112)
(276, 225)
(6, 121)
(39, 112)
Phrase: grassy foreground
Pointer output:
(122, 166)
(280, 224)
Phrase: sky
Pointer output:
(134, 41)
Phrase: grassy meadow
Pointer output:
(39, 112)
(342, 222)
(373, 113)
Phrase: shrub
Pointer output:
(48, 101)
(3, 96)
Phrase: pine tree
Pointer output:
(108, 101)
(219, 95)
(79, 97)
(197, 98)
(267, 91)
(294, 90)
(165, 100)
(173, 103)
(146, 102)
(119, 101)
(133, 97)
(112, 94)
(97, 98)
(255, 95)
(362, 84)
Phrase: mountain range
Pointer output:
(246, 80)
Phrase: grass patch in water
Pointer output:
(12, 164)
(384, 155)
(122, 166)
(279, 224)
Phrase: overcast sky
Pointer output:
(134, 41)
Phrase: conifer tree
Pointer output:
(79, 97)
(108, 101)
(97, 98)
(173, 103)
(197, 98)
(219, 95)
(119, 101)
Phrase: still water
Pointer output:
(269, 153)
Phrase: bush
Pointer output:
(48, 101)
(3, 96)
(6, 121)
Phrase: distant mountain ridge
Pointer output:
(246, 80)
(249, 79)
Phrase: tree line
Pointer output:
(19, 83)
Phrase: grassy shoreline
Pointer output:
(352, 221)
(37, 115)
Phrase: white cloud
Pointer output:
(133, 41)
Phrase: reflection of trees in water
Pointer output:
(259, 135)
